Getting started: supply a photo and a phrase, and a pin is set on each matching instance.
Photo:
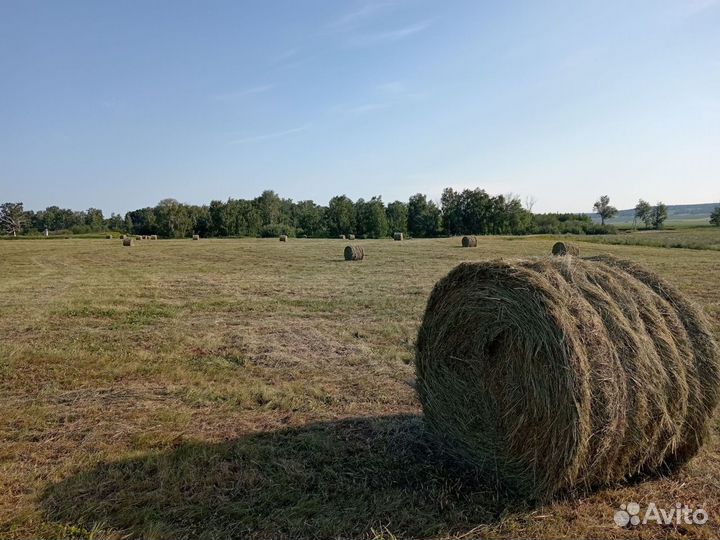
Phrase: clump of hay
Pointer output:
(283, 237)
(564, 248)
(351, 237)
(108, 237)
(398, 236)
(555, 374)
(196, 237)
(354, 253)
(469, 241)
(127, 241)
(341, 237)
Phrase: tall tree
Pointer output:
(12, 217)
(340, 216)
(604, 209)
(715, 217)
(397, 217)
(423, 216)
(451, 203)
(643, 212)
(659, 215)
(371, 218)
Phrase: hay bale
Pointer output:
(557, 374)
(153, 237)
(196, 237)
(127, 242)
(354, 253)
(341, 237)
(351, 237)
(398, 236)
(469, 241)
(283, 237)
(138, 237)
(123, 236)
(565, 248)
(108, 237)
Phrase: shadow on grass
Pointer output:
(347, 478)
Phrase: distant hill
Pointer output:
(676, 212)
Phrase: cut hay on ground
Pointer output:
(469, 241)
(564, 248)
(557, 374)
(283, 237)
(127, 241)
(196, 237)
(398, 236)
(354, 253)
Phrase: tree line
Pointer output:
(470, 211)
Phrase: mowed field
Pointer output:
(253, 388)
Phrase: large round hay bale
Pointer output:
(341, 237)
(127, 242)
(138, 237)
(153, 237)
(196, 237)
(351, 237)
(283, 237)
(553, 375)
(565, 248)
(354, 253)
(469, 241)
(398, 236)
(108, 237)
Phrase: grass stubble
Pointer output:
(237, 388)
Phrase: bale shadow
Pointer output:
(348, 478)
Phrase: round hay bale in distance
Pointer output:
(565, 248)
(553, 377)
(351, 237)
(153, 237)
(127, 242)
(341, 237)
(354, 253)
(398, 237)
(108, 237)
(138, 237)
(283, 237)
(469, 241)
(196, 237)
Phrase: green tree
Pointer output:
(423, 216)
(173, 220)
(604, 209)
(451, 203)
(715, 217)
(371, 218)
(397, 217)
(94, 219)
(340, 216)
(309, 219)
(659, 215)
(12, 217)
(643, 213)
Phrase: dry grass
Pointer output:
(163, 392)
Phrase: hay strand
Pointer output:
(354, 253)
(565, 248)
(469, 241)
(558, 374)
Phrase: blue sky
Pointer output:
(120, 104)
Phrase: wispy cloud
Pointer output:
(232, 96)
(268, 136)
(381, 96)
(355, 18)
(390, 36)
(688, 8)
(358, 109)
